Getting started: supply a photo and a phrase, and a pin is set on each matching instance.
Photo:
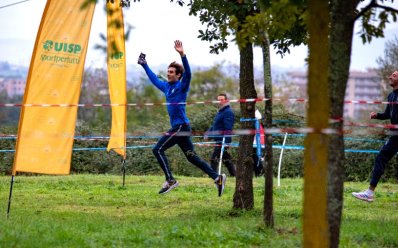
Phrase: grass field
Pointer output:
(96, 211)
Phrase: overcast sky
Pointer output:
(157, 23)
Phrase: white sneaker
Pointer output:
(364, 196)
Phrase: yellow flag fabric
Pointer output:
(117, 77)
(46, 134)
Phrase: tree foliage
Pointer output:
(284, 21)
(373, 16)
(208, 82)
(389, 62)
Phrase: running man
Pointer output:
(176, 90)
(390, 148)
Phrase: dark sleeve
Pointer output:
(387, 111)
(229, 120)
(385, 115)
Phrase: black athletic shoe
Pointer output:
(167, 186)
(259, 169)
(220, 183)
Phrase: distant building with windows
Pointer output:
(366, 86)
(13, 86)
(361, 85)
(12, 79)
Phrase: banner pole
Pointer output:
(9, 197)
(124, 170)
(221, 153)
(280, 160)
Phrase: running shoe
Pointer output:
(167, 186)
(364, 196)
(220, 183)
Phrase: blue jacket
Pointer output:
(223, 122)
(176, 92)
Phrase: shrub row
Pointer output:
(140, 161)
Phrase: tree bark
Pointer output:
(315, 217)
(342, 28)
(268, 212)
(243, 196)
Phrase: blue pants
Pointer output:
(180, 135)
(386, 153)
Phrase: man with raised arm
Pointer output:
(176, 90)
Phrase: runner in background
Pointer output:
(390, 148)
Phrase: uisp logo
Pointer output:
(50, 45)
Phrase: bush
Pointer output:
(6, 143)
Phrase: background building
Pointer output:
(13, 86)
(361, 85)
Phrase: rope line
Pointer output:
(237, 132)
(234, 145)
(302, 100)
(11, 4)
(140, 137)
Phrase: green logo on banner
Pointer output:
(61, 47)
(117, 55)
(116, 61)
(61, 53)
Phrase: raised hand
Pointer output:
(141, 59)
(178, 47)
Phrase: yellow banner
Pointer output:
(117, 77)
(46, 134)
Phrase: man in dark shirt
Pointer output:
(390, 148)
(222, 128)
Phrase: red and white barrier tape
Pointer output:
(305, 130)
(387, 126)
(179, 103)
(290, 130)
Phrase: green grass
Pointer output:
(96, 211)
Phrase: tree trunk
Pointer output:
(315, 217)
(342, 27)
(243, 196)
(268, 211)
